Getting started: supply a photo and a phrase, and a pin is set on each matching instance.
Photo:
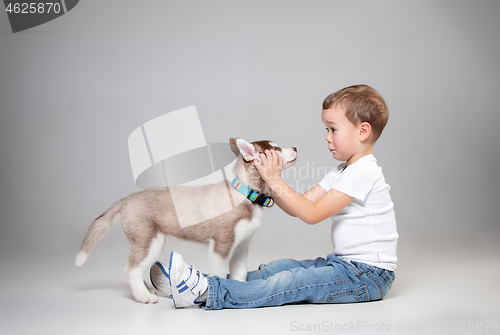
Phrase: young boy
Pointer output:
(354, 195)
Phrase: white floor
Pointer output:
(440, 286)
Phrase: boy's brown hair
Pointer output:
(361, 103)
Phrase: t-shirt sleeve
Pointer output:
(357, 181)
(328, 181)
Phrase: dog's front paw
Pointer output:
(242, 277)
(147, 298)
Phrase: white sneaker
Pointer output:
(186, 283)
(160, 279)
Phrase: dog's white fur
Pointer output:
(148, 217)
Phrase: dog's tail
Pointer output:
(96, 232)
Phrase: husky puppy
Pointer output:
(147, 217)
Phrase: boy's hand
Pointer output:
(271, 167)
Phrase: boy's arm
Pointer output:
(306, 210)
(314, 194)
(283, 206)
(302, 206)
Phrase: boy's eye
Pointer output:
(327, 129)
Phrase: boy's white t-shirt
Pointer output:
(365, 230)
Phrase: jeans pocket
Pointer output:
(351, 295)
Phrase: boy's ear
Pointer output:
(365, 130)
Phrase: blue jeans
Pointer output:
(286, 281)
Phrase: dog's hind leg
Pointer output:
(148, 282)
(142, 257)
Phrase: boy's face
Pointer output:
(342, 135)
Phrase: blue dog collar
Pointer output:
(252, 195)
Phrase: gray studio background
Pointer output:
(72, 91)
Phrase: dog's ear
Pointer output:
(234, 146)
(246, 149)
